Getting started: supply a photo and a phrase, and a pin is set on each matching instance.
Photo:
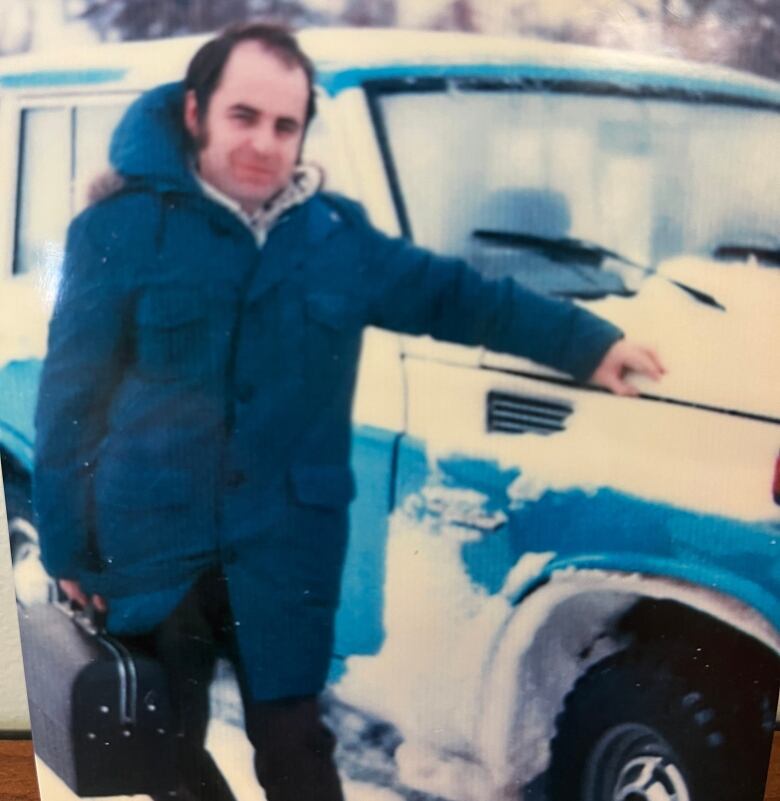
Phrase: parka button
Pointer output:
(235, 479)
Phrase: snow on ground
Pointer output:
(438, 623)
(426, 584)
(33, 584)
(357, 791)
(425, 672)
(440, 627)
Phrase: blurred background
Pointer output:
(737, 33)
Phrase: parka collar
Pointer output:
(305, 182)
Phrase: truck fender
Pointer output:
(555, 635)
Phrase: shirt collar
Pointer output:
(306, 180)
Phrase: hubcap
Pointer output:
(632, 762)
(650, 779)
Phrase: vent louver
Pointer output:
(524, 414)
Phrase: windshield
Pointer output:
(640, 178)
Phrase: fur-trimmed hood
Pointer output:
(150, 145)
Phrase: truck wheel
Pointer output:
(640, 728)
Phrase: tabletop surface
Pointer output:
(17, 772)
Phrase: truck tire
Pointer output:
(641, 727)
(30, 579)
(21, 530)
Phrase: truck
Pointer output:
(551, 592)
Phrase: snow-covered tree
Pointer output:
(150, 19)
(370, 12)
(742, 33)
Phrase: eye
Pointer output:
(242, 116)
(287, 127)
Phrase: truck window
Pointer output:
(550, 187)
(43, 204)
(61, 149)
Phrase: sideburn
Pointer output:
(201, 139)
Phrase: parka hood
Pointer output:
(150, 144)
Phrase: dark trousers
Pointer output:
(293, 748)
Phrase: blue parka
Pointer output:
(194, 407)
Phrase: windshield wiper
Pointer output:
(585, 278)
(562, 249)
(567, 250)
(734, 250)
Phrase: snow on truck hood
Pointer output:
(722, 358)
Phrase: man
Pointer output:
(192, 468)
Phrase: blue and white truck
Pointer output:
(551, 592)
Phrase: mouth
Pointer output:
(254, 172)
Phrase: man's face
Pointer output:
(254, 125)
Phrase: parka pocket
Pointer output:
(316, 532)
(330, 310)
(333, 335)
(322, 486)
(172, 334)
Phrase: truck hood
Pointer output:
(725, 358)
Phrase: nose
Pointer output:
(263, 139)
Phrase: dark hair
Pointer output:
(207, 65)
